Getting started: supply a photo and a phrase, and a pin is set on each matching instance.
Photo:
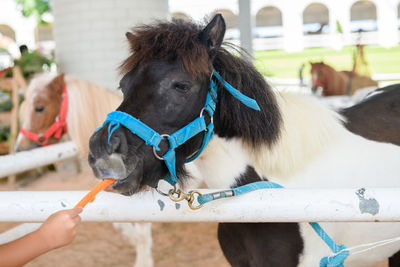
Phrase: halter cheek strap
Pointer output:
(57, 129)
(316, 82)
(178, 138)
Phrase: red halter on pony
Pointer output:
(57, 129)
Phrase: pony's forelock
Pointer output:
(169, 41)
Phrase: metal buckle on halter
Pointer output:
(211, 117)
(155, 151)
(41, 138)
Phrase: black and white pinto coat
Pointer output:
(314, 150)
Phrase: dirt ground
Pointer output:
(99, 244)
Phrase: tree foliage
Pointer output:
(34, 8)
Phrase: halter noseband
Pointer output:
(152, 138)
(57, 129)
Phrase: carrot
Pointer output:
(89, 197)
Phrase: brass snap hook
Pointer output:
(179, 195)
(192, 198)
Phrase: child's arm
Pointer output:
(57, 231)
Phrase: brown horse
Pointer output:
(43, 102)
(88, 105)
(335, 82)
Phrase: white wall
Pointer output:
(90, 34)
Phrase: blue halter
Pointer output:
(152, 138)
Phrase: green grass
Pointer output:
(279, 63)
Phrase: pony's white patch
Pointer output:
(364, 93)
(314, 150)
(221, 162)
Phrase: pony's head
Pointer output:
(165, 85)
(319, 72)
(40, 109)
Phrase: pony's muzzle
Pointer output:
(109, 166)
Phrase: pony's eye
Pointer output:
(182, 86)
(39, 109)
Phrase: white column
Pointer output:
(387, 23)
(342, 13)
(292, 28)
(90, 35)
(336, 37)
(246, 24)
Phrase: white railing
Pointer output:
(267, 205)
(27, 160)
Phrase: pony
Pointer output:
(88, 105)
(292, 140)
(377, 117)
(333, 82)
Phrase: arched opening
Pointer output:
(363, 16)
(232, 23)
(316, 19)
(7, 31)
(269, 22)
(180, 15)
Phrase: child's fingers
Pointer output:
(77, 220)
(74, 212)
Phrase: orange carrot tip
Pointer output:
(89, 197)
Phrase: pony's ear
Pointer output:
(129, 36)
(213, 34)
(57, 84)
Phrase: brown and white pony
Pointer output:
(88, 105)
(335, 82)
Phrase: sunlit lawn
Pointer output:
(279, 63)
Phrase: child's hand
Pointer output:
(60, 228)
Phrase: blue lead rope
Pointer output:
(336, 260)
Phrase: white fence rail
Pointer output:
(271, 205)
(26, 160)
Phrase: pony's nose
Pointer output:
(117, 143)
(106, 154)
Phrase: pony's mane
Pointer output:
(236, 119)
(88, 107)
(180, 41)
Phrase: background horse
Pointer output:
(165, 85)
(335, 82)
(88, 105)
